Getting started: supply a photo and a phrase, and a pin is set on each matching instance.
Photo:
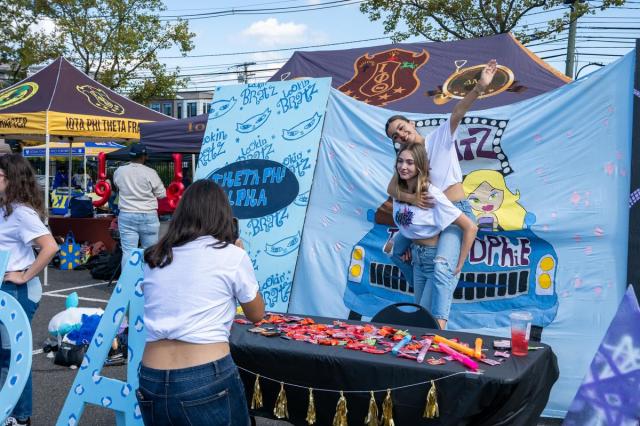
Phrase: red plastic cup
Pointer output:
(520, 329)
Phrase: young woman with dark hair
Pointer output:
(193, 277)
(21, 228)
(423, 227)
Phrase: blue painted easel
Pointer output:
(89, 385)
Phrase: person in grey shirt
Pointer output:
(139, 188)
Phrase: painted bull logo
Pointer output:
(100, 99)
(385, 77)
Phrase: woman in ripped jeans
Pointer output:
(424, 226)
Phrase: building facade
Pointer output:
(185, 104)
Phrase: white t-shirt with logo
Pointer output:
(193, 299)
(17, 233)
(415, 223)
(444, 166)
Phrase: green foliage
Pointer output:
(117, 41)
(441, 20)
(22, 42)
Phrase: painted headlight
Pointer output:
(356, 266)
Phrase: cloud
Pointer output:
(46, 25)
(270, 32)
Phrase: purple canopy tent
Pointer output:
(426, 77)
(180, 136)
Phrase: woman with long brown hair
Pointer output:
(192, 280)
(423, 227)
(22, 228)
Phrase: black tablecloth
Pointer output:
(513, 393)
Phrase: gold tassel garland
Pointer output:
(340, 419)
(372, 415)
(311, 411)
(387, 410)
(256, 399)
(431, 410)
(280, 410)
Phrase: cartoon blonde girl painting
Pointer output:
(494, 205)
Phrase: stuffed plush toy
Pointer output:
(71, 318)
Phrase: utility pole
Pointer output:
(571, 42)
(244, 75)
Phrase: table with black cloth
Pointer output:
(513, 393)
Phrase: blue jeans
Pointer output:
(137, 228)
(208, 394)
(424, 293)
(24, 406)
(446, 257)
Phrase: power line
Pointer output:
(246, 5)
(142, 77)
(265, 11)
(274, 50)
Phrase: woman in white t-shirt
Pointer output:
(193, 278)
(21, 228)
(423, 226)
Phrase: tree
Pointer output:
(441, 20)
(22, 44)
(117, 43)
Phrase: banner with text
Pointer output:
(261, 145)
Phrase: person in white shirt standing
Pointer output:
(21, 228)
(139, 188)
(423, 228)
(193, 279)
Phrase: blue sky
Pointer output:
(233, 34)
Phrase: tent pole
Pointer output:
(84, 175)
(46, 186)
(69, 168)
(193, 167)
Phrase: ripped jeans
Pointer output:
(444, 262)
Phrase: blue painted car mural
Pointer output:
(505, 271)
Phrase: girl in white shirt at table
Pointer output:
(423, 227)
(21, 228)
(192, 279)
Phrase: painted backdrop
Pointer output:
(261, 145)
(549, 181)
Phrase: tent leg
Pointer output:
(46, 188)
(193, 167)
(70, 163)
(84, 175)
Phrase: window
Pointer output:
(208, 108)
(167, 109)
(179, 111)
(155, 106)
(192, 109)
